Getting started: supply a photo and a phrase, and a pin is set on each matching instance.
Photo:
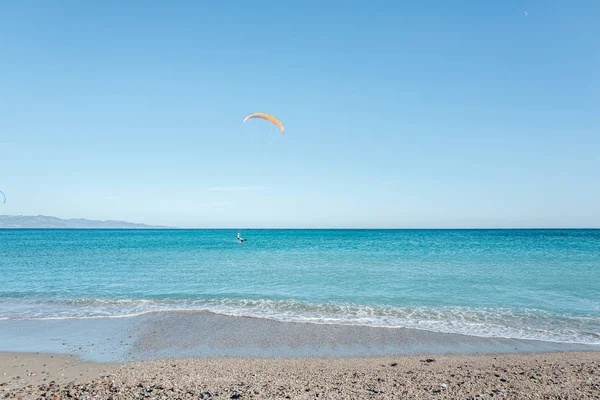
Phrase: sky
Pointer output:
(397, 114)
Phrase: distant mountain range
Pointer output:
(43, 221)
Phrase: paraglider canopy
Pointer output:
(267, 117)
(3, 195)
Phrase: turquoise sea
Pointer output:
(526, 284)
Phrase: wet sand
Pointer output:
(204, 334)
(204, 355)
(19, 370)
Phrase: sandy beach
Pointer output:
(207, 355)
(204, 355)
(563, 375)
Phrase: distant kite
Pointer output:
(3, 195)
(525, 12)
(266, 116)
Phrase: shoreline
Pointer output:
(203, 355)
(185, 334)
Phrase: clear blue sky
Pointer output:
(397, 113)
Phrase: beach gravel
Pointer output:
(567, 375)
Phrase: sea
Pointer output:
(522, 284)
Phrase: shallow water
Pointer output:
(527, 284)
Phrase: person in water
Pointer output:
(241, 239)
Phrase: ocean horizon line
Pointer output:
(174, 228)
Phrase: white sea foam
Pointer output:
(530, 324)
